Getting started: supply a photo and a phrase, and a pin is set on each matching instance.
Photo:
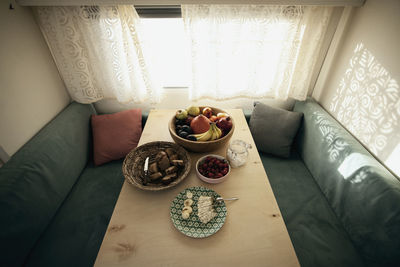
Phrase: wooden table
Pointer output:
(141, 233)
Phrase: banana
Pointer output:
(188, 202)
(213, 133)
(216, 132)
(187, 209)
(204, 136)
(219, 132)
(185, 215)
(198, 136)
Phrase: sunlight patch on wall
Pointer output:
(393, 161)
(367, 103)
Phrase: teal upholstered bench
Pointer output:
(55, 204)
(341, 207)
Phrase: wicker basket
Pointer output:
(133, 165)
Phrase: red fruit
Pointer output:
(213, 167)
(207, 111)
(200, 124)
(213, 118)
(189, 120)
(225, 124)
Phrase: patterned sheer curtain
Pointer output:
(98, 52)
(253, 50)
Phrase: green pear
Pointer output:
(194, 111)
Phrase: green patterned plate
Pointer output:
(192, 226)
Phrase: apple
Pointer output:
(207, 111)
(213, 118)
(200, 124)
(222, 114)
(181, 114)
(225, 124)
(194, 111)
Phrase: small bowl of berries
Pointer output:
(212, 169)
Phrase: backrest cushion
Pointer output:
(114, 135)
(36, 180)
(274, 129)
(362, 193)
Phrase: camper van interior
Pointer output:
(200, 133)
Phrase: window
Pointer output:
(230, 51)
(166, 50)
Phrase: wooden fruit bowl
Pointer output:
(200, 146)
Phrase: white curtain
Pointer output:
(253, 50)
(98, 52)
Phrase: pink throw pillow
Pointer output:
(114, 135)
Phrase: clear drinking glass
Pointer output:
(237, 153)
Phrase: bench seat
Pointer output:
(317, 235)
(74, 236)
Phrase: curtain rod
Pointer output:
(188, 2)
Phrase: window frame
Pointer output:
(159, 11)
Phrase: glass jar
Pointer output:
(237, 153)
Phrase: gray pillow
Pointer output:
(273, 129)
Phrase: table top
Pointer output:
(140, 232)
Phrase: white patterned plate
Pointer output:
(192, 226)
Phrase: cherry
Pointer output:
(213, 167)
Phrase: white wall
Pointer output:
(362, 90)
(31, 91)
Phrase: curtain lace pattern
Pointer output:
(253, 50)
(98, 52)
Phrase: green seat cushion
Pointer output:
(318, 237)
(35, 181)
(362, 193)
(75, 234)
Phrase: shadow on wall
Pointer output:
(367, 103)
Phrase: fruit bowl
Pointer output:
(201, 146)
(203, 163)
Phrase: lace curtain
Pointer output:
(98, 52)
(253, 50)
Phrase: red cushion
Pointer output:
(114, 135)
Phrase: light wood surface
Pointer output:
(141, 233)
